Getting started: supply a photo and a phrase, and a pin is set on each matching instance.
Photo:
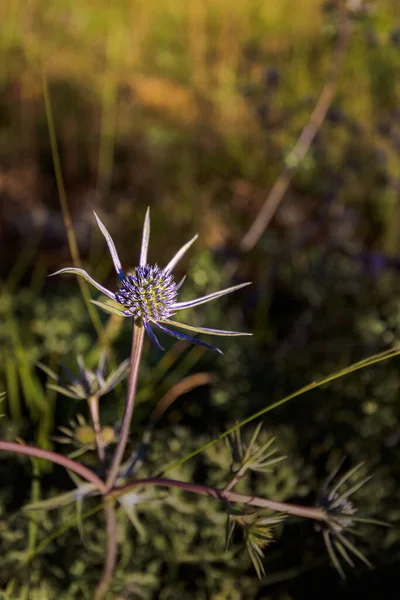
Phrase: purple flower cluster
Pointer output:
(150, 292)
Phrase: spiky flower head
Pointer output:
(257, 530)
(258, 454)
(342, 516)
(87, 383)
(81, 435)
(150, 292)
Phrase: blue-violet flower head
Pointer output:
(87, 382)
(150, 293)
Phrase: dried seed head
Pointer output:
(84, 435)
(341, 518)
(148, 293)
(337, 506)
(81, 435)
(258, 534)
(107, 435)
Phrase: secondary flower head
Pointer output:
(82, 436)
(87, 383)
(150, 292)
(342, 518)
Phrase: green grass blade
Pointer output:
(372, 360)
(13, 396)
(55, 534)
(72, 243)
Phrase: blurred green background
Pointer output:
(193, 108)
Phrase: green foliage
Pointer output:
(219, 100)
(311, 432)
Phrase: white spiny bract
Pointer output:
(150, 293)
(341, 518)
(86, 383)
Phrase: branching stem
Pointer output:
(56, 458)
(236, 478)
(308, 512)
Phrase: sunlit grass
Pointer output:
(141, 65)
(196, 45)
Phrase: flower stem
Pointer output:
(93, 402)
(308, 512)
(56, 458)
(111, 551)
(236, 478)
(136, 353)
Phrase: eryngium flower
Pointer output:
(150, 293)
(257, 455)
(87, 383)
(342, 516)
(82, 436)
(258, 534)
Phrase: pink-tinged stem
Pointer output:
(111, 551)
(58, 459)
(308, 512)
(136, 353)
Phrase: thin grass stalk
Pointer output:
(184, 386)
(13, 392)
(304, 141)
(72, 243)
(362, 364)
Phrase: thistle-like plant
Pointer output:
(258, 534)
(82, 436)
(87, 383)
(253, 456)
(149, 293)
(149, 296)
(342, 517)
